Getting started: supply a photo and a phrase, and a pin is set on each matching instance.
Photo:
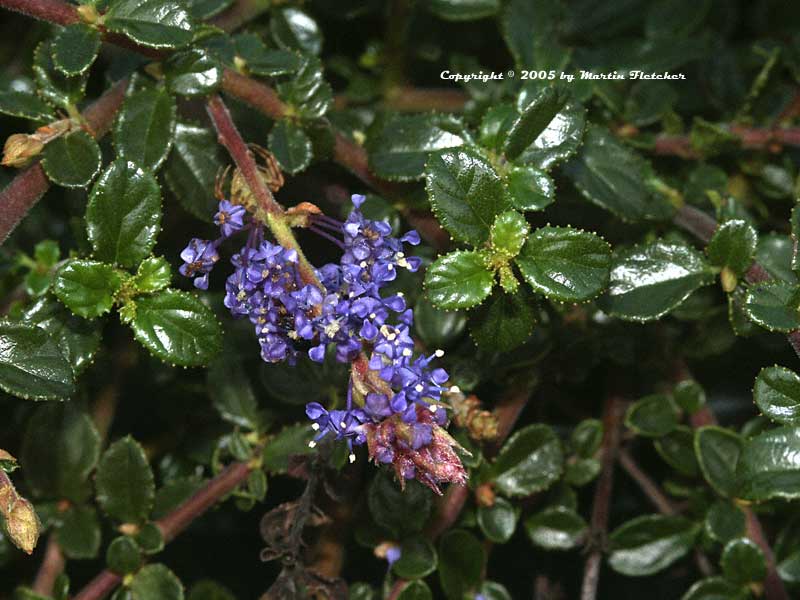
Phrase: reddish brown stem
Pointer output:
(258, 95)
(53, 11)
(176, 522)
(750, 138)
(612, 424)
(51, 567)
(29, 186)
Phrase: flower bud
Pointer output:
(22, 525)
(19, 149)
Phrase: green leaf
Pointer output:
(74, 49)
(78, 339)
(495, 125)
(169, 497)
(32, 365)
(192, 72)
(677, 449)
(689, 395)
(504, 322)
(152, 23)
(399, 146)
(144, 128)
(530, 461)
(565, 264)
(125, 486)
(498, 521)
(715, 588)
(508, 232)
(461, 559)
(414, 590)
(72, 160)
(297, 384)
(25, 105)
(650, 543)
(465, 193)
(586, 438)
(649, 281)
(192, 168)
(210, 590)
(494, 591)
(177, 327)
(724, 521)
(527, 26)
(399, 511)
(769, 466)
(288, 442)
(581, 471)
(556, 528)
(307, 92)
(718, 451)
(794, 222)
(463, 10)
(533, 121)
(62, 445)
(205, 9)
(458, 280)
(652, 416)
(774, 252)
(150, 538)
(293, 29)
(777, 394)
(78, 534)
(57, 89)
(743, 562)
(559, 140)
(417, 558)
(615, 178)
(154, 274)
(156, 582)
(123, 215)
(771, 305)
(123, 555)
(529, 188)
(291, 146)
(437, 328)
(231, 392)
(86, 287)
(733, 246)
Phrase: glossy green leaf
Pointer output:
(650, 543)
(192, 167)
(770, 304)
(527, 27)
(565, 264)
(530, 124)
(498, 522)
(231, 392)
(733, 246)
(458, 280)
(72, 160)
(556, 528)
(145, 126)
(56, 88)
(461, 558)
(150, 538)
(559, 140)
(718, 451)
(293, 29)
(677, 449)
(586, 438)
(715, 588)
(153, 23)
(777, 394)
(156, 582)
(302, 382)
(774, 252)
(290, 441)
(530, 461)
(260, 60)
(399, 511)
(649, 281)
(32, 366)
(438, 328)
(463, 10)
(508, 233)
(123, 556)
(743, 562)
(25, 105)
(529, 188)
(62, 445)
(291, 146)
(123, 215)
(689, 395)
(724, 521)
(204, 9)
(769, 465)
(177, 328)
(399, 146)
(77, 338)
(307, 91)
(417, 558)
(192, 72)
(210, 590)
(154, 274)
(465, 193)
(124, 481)
(615, 178)
(495, 125)
(414, 590)
(74, 49)
(652, 416)
(87, 288)
(503, 322)
(581, 471)
(78, 534)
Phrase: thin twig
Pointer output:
(52, 566)
(613, 411)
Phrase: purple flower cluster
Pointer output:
(348, 314)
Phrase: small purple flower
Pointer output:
(230, 218)
(199, 258)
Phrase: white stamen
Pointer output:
(362, 264)
(455, 389)
(407, 352)
(439, 353)
(390, 267)
(315, 426)
(433, 408)
(419, 387)
(343, 425)
(401, 294)
(352, 458)
(372, 315)
(312, 444)
(400, 255)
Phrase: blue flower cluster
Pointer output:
(348, 314)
